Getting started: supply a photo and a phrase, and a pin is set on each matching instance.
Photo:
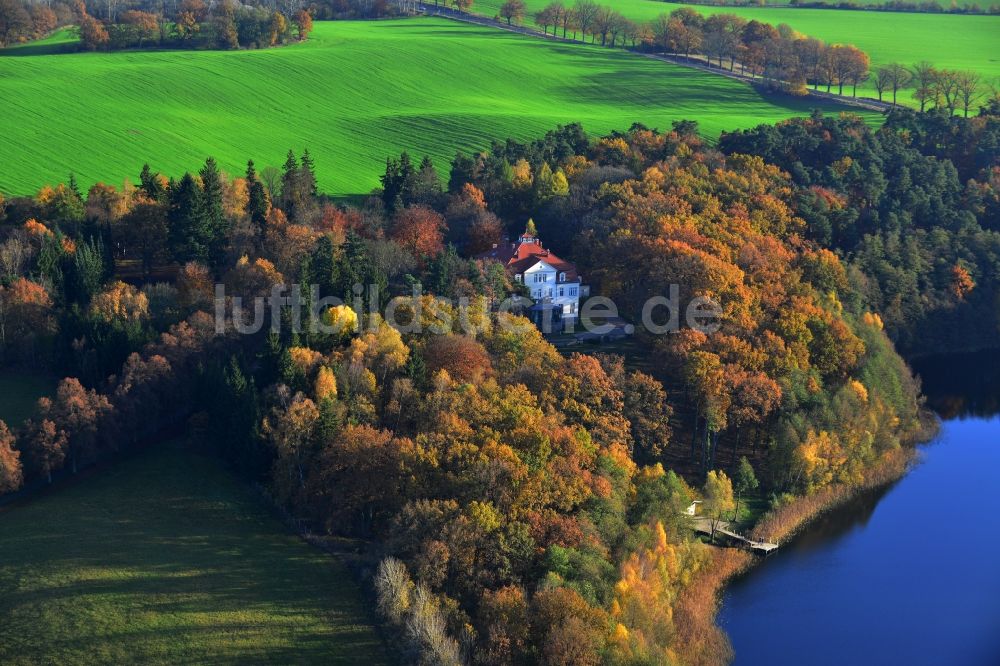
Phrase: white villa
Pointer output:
(553, 283)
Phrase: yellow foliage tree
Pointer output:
(325, 387)
(522, 176)
(644, 599)
(718, 500)
(120, 303)
(342, 319)
(304, 359)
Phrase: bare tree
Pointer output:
(586, 15)
(899, 78)
(715, 45)
(946, 88)
(733, 28)
(394, 589)
(603, 20)
(631, 31)
(661, 31)
(881, 81)
(427, 628)
(15, 253)
(567, 19)
(548, 15)
(969, 91)
(618, 27)
(924, 75)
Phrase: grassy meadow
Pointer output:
(949, 41)
(19, 394)
(353, 94)
(166, 558)
(63, 40)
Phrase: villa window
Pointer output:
(562, 277)
(561, 291)
(517, 278)
(572, 291)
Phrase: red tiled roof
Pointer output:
(528, 251)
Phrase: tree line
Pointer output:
(226, 25)
(145, 23)
(21, 21)
(778, 54)
(587, 18)
(927, 7)
(947, 89)
(191, 25)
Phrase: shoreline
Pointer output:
(700, 601)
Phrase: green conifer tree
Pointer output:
(307, 174)
(290, 185)
(258, 203)
(150, 184)
(188, 236)
(213, 217)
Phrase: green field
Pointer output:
(19, 394)
(166, 558)
(353, 94)
(63, 40)
(948, 40)
(644, 10)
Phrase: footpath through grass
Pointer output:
(166, 558)
(353, 94)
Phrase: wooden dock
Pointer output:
(704, 525)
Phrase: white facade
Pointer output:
(548, 285)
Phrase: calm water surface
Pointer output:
(907, 575)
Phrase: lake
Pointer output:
(909, 574)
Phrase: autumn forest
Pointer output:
(470, 486)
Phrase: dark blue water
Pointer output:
(907, 575)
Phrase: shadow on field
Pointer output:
(680, 88)
(29, 49)
(166, 558)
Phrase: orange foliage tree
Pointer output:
(10, 461)
(420, 230)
